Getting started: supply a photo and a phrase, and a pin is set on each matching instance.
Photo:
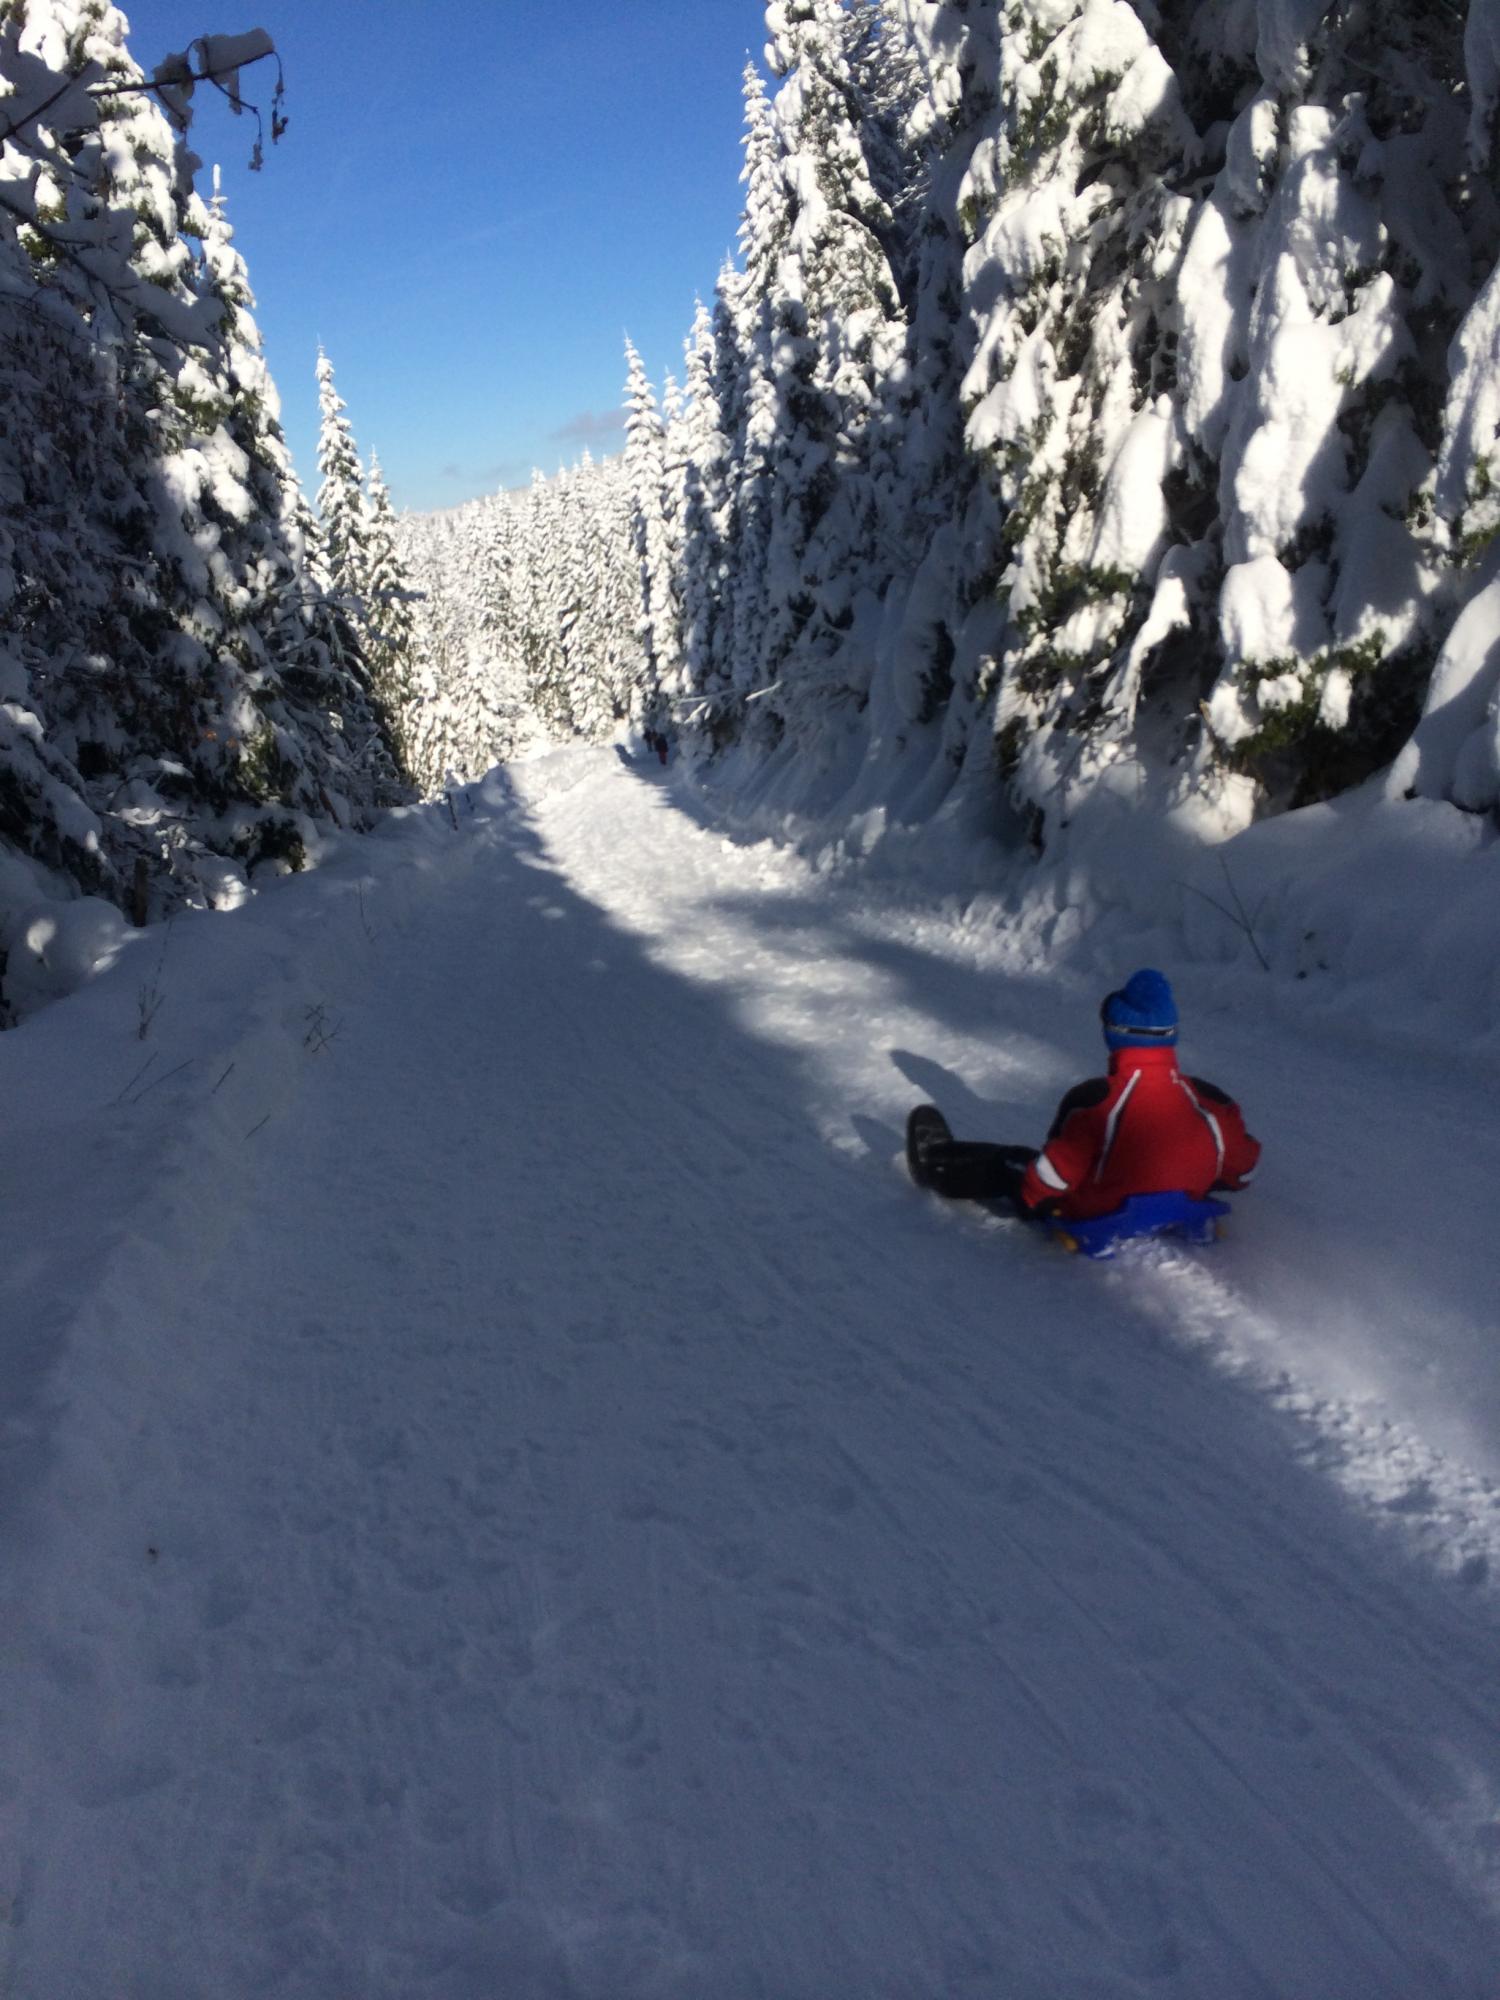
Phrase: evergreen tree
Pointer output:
(837, 341)
(943, 639)
(704, 509)
(646, 467)
(389, 595)
(341, 499)
(1082, 402)
(166, 703)
(1318, 417)
(721, 479)
(541, 628)
(751, 405)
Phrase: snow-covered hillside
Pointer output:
(505, 1487)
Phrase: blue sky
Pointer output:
(474, 202)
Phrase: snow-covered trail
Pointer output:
(513, 1493)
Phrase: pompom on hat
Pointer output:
(1142, 1015)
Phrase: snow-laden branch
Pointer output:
(39, 89)
(222, 58)
(172, 83)
(46, 108)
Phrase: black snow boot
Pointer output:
(925, 1129)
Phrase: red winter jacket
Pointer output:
(1145, 1129)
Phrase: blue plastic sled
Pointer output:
(1141, 1215)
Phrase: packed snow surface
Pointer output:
(506, 1489)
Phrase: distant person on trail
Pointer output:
(1143, 1129)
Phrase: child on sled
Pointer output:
(1144, 1129)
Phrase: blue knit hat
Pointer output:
(1142, 1015)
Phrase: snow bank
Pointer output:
(52, 948)
(1372, 916)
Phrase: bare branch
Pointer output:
(1237, 915)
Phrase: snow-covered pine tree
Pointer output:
(150, 571)
(102, 664)
(1069, 389)
(341, 498)
(459, 726)
(1213, 513)
(837, 341)
(542, 654)
(715, 713)
(941, 637)
(490, 624)
(389, 637)
(891, 109)
(527, 622)
(748, 405)
(436, 559)
(303, 728)
(673, 504)
(564, 585)
(647, 469)
(704, 509)
(345, 548)
(1341, 211)
(612, 571)
(1084, 405)
(64, 438)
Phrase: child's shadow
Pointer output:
(971, 1117)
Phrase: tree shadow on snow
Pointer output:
(1044, 1035)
